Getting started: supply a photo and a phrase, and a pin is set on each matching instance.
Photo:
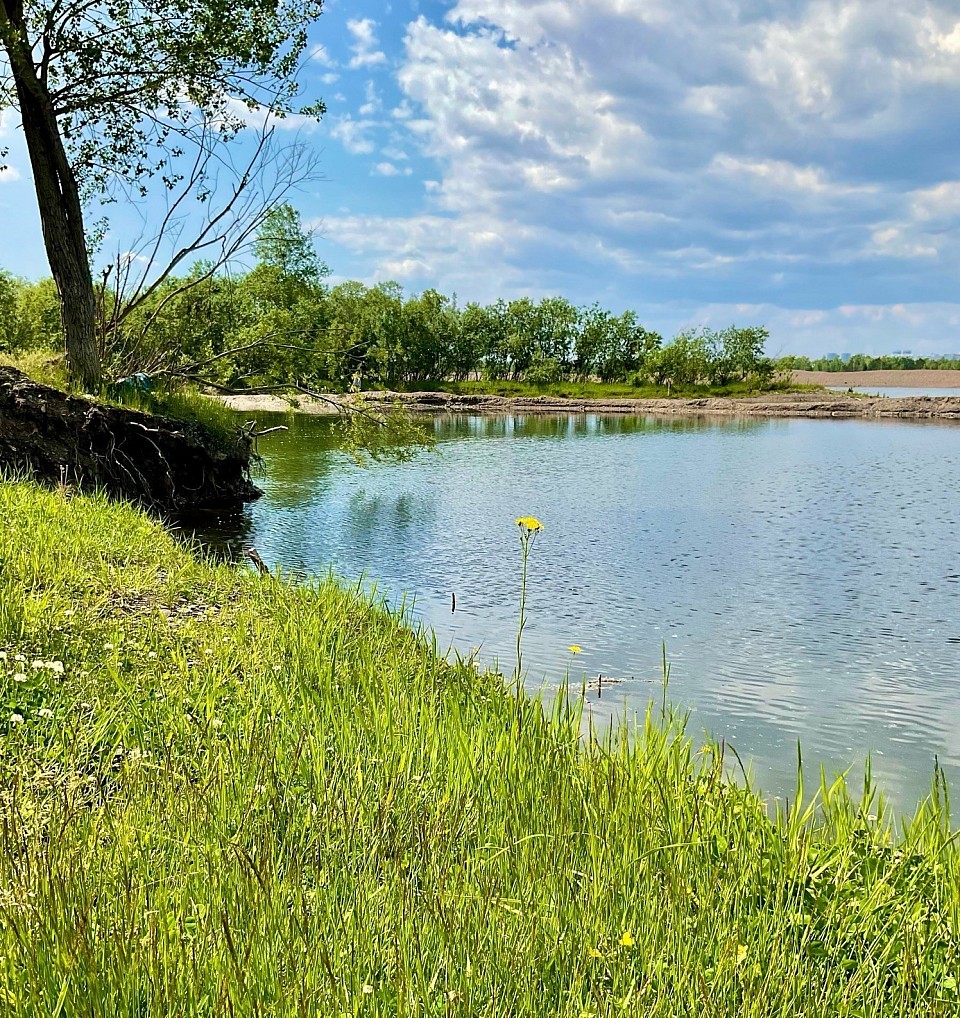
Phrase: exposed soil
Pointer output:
(164, 465)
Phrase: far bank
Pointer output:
(773, 404)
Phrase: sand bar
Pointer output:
(786, 404)
(919, 379)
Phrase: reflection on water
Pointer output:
(803, 575)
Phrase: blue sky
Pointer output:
(794, 163)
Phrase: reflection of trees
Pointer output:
(296, 460)
(377, 518)
(561, 425)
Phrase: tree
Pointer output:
(108, 93)
(284, 244)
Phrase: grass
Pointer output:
(223, 795)
(179, 404)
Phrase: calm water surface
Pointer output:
(803, 575)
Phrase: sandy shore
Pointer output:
(920, 379)
(821, 404)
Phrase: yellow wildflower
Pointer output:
(627, 939)
(529, 523)
(741, 953)
(575, 648)
(594, 953)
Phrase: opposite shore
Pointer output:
(825, 403)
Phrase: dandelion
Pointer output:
(594, 953)
(575, 648)
(529, 524)
(626, 939)
(16, 719)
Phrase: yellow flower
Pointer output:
(575, 648)
(627, 939)
(594, 953)
(741, 953)
(529, 523)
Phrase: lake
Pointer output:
(803, 575)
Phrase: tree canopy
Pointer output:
(111, 93)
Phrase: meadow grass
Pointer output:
(227, 795)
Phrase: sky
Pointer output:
(791, 163)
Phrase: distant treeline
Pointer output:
(864, 362)
(278, 323)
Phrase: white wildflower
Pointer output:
(45, 712)
(16, 719)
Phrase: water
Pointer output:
(895, 390)
(804, 575)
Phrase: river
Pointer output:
(803, 576)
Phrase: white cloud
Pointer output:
(365, 51)
(321, 55)
(389, 170)
(372, 102)
(354, 135)
(780, 176)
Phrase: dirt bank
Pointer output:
(920, 379)
(787, 404)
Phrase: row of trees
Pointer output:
(280, 323)
(865, 362)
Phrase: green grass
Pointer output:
(600, 390)
(180, 404)
(221, 795)
(43, 366)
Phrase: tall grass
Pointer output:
(223, 795)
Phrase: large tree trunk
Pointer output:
(58, 197)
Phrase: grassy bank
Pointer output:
(225, 795)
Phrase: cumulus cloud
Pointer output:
(365, 46)
(354, 135)
(751, 150)
(386, 169)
